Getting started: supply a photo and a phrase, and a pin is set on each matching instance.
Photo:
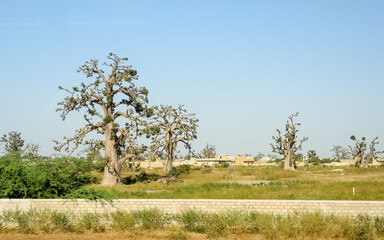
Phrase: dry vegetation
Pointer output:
(189, 225)
(267, 182)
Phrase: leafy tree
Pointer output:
(312, 154)
(13, 142)
(286, 144)
(208, 151)
(358, 151)
(114, 108)
(340, 152)
(259, 156)
(171, 126)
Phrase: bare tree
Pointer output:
(209, 151)
(169, 127)
(340, 152)
(372, 154)
(113, 106)
(33, 149)
(358, 151)
(286, 144)
(13, 142)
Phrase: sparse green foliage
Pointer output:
(106, 100)
(358, 151)
(259, 156)
(312, 154)
(168, 127)
(13, 142)
(208, 151)
(286, 144)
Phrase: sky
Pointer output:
(241, 66)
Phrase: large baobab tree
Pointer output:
(286, 144)
(113, 107)
(169, 127)
(358, 151)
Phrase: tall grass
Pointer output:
(213, 225)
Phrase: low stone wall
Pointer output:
(373, 208)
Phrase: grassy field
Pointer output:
(189, 225)
(261, 182)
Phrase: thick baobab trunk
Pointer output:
(169, 153)
(289, 161)
(168, 160)
(112, 169)
(167, 165)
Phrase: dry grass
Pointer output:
(267, 182)
(153, 224)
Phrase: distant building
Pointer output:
(224, 158)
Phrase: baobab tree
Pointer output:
(33, 150)
(311, 154)
(358, 151)
(114, 107)
(170, 126)
(13, 142)
(340, 152)
(286, 144)
(208, 151)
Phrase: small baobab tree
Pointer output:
(33, 149)
(208, 151)
(168, 127)
(358, 151)
(13, 142)
(259, 156)
(311, 154)
(287, 144)
(114, 107)
(340, 152)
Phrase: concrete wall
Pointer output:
(373, 208)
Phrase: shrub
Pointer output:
(122, 220)
(141, 177)
(176, 171)
(192, 221)
(91, 221)
(42, 178)
(149, 219)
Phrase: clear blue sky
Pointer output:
(241, 66)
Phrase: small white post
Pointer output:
(353, 189)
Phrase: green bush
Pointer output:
(141, 177)
(43, 178)
(176, 171)
(122, 220)
(91, 221)
(150, 219)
